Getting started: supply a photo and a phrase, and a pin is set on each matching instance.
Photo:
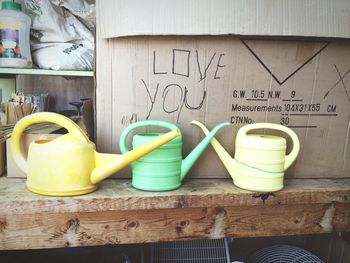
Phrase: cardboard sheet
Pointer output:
(321, 18)
(304, 85)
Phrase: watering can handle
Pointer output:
(289, 159)
(28, 120)
(122, 142)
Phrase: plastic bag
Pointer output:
(85, 12)
(63, 56)
(60, 40)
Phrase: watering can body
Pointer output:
(260, 160)
(69, 165)
(163, 169)
(50, 172)
(159, 170)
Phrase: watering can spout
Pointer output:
(108, 164)
(228, 161)
(189, 161)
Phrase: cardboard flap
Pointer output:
(322, 18)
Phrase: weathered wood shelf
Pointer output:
(201, 208)
(45, 72)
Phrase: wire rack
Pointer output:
(283, 253)
(191, 251)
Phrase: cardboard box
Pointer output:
(12, 169)
(117, 18)
(301, 83)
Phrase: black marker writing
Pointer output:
(203, 76)
(164, 95)
(183, 101)
(150, 97)
(178, 52)
(188, 106)
(219, 66)
(154, 65)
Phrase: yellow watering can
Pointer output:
(260, 160)
(69, 165)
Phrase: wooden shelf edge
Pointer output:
(206, 208)
(119, 195)
(45, 72)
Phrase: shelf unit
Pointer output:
(8, 77)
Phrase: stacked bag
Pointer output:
(62, 33)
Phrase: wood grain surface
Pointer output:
(201, 208)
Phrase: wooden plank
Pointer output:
(341, 217)
(47, 230)
(202, 208)
(118, 194)
(31, 71)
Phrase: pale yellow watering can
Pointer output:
(69, 165)
(260, 160)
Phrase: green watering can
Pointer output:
(163, 169)
(260, 159)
